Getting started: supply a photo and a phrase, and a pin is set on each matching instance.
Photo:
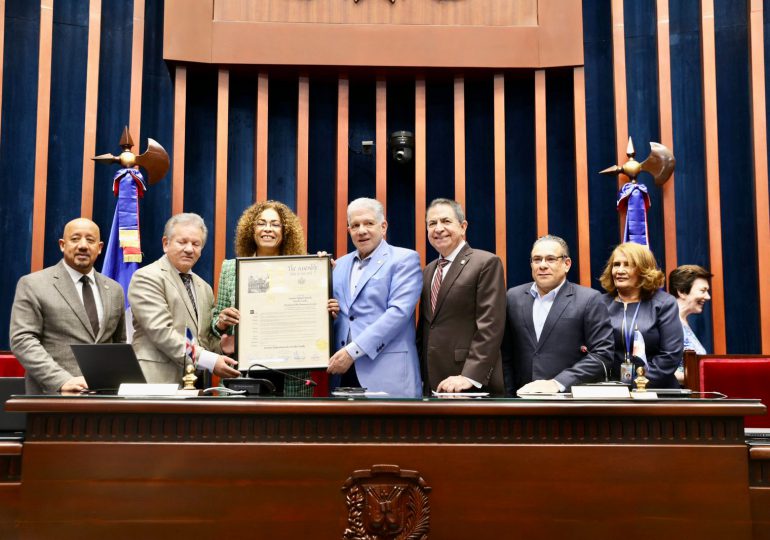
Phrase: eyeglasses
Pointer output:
(272, 225)
(550, 260)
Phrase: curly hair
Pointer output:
(639, 256)
(293, 235)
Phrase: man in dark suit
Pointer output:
(64, 304)
(462, 308)
(557, 334)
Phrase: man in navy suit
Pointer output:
(377, 287)
(557, 333)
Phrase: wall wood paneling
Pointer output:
(518, 136)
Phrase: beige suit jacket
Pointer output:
(162, 312)
(48, 316)
(464, 334)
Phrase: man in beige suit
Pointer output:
(64, 304)
(167, 298)
(462, 308)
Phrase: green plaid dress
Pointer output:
(225, 299)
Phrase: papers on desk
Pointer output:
(544, 395)
(368, 393)
(459, 395)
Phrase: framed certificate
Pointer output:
(285, 323)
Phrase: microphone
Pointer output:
(308, 382)
(584, 350)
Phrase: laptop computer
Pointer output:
(106, 366)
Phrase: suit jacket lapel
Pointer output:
(526, 316)
(104, 292)
(172, 274)
(559, 305)
(454, 270)
(427, 281)
(66, 288)
(379, 256)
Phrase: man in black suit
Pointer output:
(557, 333)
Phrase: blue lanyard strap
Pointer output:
(628, 331)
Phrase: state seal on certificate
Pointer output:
(285, 323)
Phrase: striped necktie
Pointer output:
(436, 285)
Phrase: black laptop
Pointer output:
(11, 421)
(106, 366)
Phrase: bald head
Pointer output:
(81, 244)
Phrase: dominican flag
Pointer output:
(190, 347)
(124, 250)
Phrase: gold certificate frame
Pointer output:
(285, 323)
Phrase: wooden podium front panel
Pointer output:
(106, 469)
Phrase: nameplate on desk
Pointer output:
(136, 389)
(600, 391)
(644, 395)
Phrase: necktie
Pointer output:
(90, 304)
(187, 278)
(436, 285)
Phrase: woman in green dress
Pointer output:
(265, 229)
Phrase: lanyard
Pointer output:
(628, 331)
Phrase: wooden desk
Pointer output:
(114, 468)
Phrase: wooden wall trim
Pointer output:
(260, 152)
(137, 61)
(666, 132)
(42, 134)
(220, 190)
(501, 241)
(759, 135)
(581, 178)
(180, 112)
(341, 203)
(541, 154)
(303, 149)
(619, 81)
(91, 109)
(381, 141)
(711, 135)
(420, 167)
(459, 127)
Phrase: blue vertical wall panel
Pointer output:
(439, 144)
(282, 141)
(692, 244)
(113, 107)
(739, 258)
(560, 135)
(240, 152)
(17, 149)
(361, 127)
(400, 205)
(322, 149)
(480, 161)
(600, 132)
(157, 122)
(200, 156)
(643, 105)
(69, 55)
(520, 191)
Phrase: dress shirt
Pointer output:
(359, 265)
(76, 276)
(540, 310)
(449, 258)
(542, 306)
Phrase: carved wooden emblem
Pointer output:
(386, 502)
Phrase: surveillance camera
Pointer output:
(402, 146)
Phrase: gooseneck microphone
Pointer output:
(308, 382)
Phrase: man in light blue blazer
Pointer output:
(377, 287)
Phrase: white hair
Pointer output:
(364, 203)
(187, 218)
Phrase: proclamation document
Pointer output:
(284, 323)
